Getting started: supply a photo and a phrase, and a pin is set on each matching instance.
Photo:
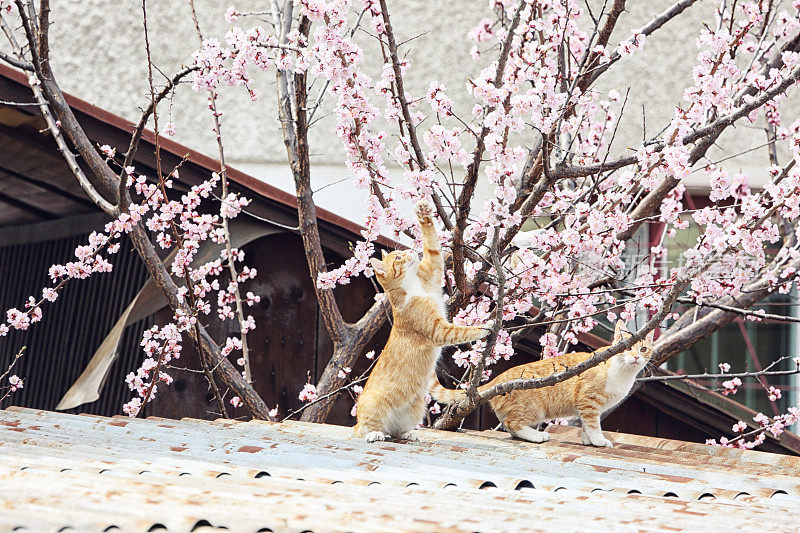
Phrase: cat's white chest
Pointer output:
(439, 297)
(413, 288)
(617, 387)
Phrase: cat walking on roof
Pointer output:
(393, 403)
(586, 395)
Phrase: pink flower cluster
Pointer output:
(161, 345)
(731, 386)
(774, 427)
(15, 383)
(309, 393)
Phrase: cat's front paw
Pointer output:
(596, 440)
(487, 328)
(373, 436)
(424, 211)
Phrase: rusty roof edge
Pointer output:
(209, 163)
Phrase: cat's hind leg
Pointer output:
(408, 418)
(520, 429)
(372, 417)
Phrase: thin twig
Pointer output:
(248, 375)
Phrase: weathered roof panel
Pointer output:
(91, 473)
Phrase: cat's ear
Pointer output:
(619, 332)
(383, 254)
(649, 337)
(377, 266)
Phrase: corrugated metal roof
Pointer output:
(91, 473)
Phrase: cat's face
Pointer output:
(639, 354)
(395, 267)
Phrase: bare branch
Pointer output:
(401, 96)
(223, 170)
(646, 30)
(14, 62)
(673, 377)
(471, 179)
(140, 126)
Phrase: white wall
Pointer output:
(98, 56)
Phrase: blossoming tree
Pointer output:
(545, 252)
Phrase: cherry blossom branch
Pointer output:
(348, 339)
(313, 110)
(468, 188)
(108, 182)
(491, 340)
(745, 312)
(14, 382)
(604, 34)
(401, 97)
(694, 325)
(327, 396)
(10, 367)
(212, 97)
(742, 375)
(714, 127)
(154, 100)
(648, 29)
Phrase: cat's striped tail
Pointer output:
(447, 396)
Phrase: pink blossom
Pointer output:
(739, 427)
(309, 393)
(231, 15)
(774, 394)
(15, 382)
(108, 151)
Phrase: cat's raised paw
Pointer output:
(424, 211)
(373, 436)
(487, 329)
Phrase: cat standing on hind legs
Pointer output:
(585, 396)
(393, 403)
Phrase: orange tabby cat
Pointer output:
(393, 400)
(586, 395)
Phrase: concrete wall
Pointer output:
(98, 55)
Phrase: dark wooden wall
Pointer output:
(59, 347)
(289, 346)
(642, 418)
